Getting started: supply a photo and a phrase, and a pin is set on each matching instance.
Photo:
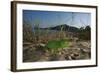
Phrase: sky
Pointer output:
(54, 18)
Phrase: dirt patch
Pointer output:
(77, 51)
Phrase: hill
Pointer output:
(65, 28)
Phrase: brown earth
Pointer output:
(80, 50)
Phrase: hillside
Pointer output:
(65, 28)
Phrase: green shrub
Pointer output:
(56, 45)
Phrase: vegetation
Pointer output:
(28, 32)
(44, 39)
(55, 45)
(84, 33)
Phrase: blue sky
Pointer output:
(54, 18)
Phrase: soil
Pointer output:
(80, 50)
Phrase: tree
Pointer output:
(87, 32)
(84, 33)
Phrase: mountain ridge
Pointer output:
(65, 28)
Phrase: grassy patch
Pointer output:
(57, 44)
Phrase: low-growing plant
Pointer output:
(55, 45)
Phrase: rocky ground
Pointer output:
(77, 51)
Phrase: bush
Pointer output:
(55, 45)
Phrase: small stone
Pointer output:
(76, 54)
(60, 53)
(72, 55)
(69, 57)
(86, 50)
(78, 48)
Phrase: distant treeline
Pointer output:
(32, 34)
(84, 33)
